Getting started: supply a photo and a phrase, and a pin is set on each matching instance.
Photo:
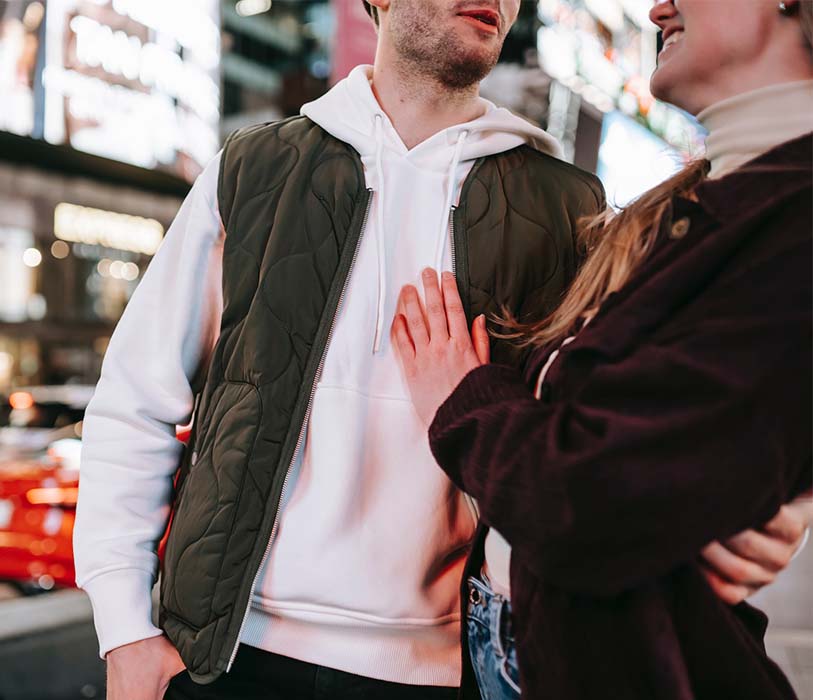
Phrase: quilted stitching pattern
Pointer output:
(289, 192)
(520, 214)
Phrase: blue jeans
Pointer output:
(491, 642)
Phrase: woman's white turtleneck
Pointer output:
(750, 124)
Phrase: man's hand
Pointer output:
(142, 670)
(738, 568)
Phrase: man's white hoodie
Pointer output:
(364, 571)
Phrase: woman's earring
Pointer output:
(786, 8)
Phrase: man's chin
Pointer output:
(461, 75)
(466, 65)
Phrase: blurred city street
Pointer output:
(48, 648)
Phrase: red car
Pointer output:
(40, 433)
(37, 512)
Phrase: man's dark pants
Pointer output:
(259, 675)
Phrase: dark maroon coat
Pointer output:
(680, 415)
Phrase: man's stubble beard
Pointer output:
(425, 49)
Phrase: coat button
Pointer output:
(680, 228)
(546, 392)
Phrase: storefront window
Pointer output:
(72, 253)
(18, 272)
(20, 23)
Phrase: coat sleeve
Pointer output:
(129, 450)
(698, 434)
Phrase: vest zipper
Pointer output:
(302, 429)
(470, 502)
(451, 240)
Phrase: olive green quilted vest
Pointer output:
(293, 202)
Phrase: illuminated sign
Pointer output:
(132, 80)
(606, 50)
(632, 160)
(20, 24)
(105, 228)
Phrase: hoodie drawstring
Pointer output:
(380, 238)
(450, 200)
(380, 241)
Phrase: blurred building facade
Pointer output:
(112, 107)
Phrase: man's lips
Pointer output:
(484, 19)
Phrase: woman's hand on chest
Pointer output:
(433, 343)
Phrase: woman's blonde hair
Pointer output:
(615, 244)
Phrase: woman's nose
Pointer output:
(662, 11)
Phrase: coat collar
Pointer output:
(729, 205)
(761, 183)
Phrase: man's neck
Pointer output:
(419, 107)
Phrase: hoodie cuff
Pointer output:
(122, 608)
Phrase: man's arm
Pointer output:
(129, 449)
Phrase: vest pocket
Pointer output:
(210, 503)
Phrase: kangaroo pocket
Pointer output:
(374, 531)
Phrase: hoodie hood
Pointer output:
(351, 113)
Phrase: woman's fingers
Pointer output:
(435, 312)
(750, 560)
(726, 591)
(790, 522)
(402, 341)
(735, 569)
(442, 318)
(455, 316)
(479, 335)
(414, 316)
(770, 552)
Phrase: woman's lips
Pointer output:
(671, 40)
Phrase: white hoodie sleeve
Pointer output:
(129, 449)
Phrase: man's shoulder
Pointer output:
(297, 135)
(259, 158)
(547, 171)
(550, 167)
(256, 133)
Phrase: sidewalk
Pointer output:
(48, 649)
(789, 604)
